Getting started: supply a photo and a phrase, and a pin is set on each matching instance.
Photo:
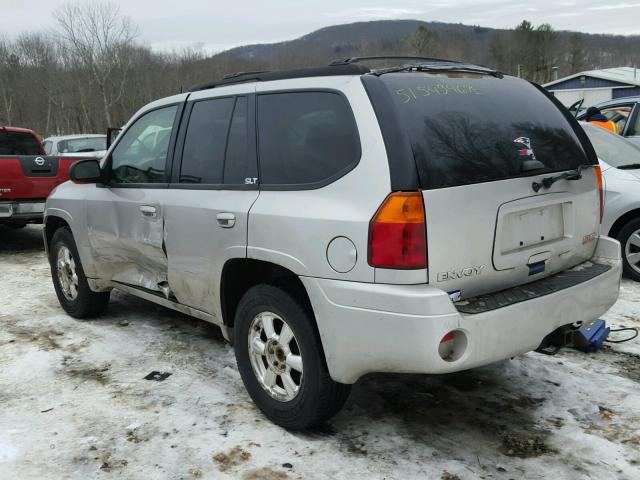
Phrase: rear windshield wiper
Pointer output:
(630, 166)
(570, 175)
(441, 67)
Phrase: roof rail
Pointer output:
(241, 77)
(240, 74)
(352, 60)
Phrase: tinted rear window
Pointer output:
(18, 143)
(466, 128)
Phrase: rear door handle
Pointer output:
(226, 219)
(148, 211)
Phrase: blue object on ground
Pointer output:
(590, 338)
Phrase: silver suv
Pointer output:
(338, 221)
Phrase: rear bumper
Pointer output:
(21, 210)
(397, 328)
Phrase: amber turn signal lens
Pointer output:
(397, 233)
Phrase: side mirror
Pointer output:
(85, 171)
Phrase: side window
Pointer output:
(305, 137)
(618, 115)
(205, 141)
(634, 127)
(141, 154)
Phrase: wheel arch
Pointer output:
(622, 221)
(51, 224)
(240, 274)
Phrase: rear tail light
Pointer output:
(598, 172)
(398, 233)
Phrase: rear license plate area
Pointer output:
(526, 228)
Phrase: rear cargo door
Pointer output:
(479, 143)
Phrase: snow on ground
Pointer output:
(74, 403)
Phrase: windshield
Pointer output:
(612, 148)
(79, 145)
(470, 128)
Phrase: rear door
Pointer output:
(479, 143)
(125, 218)
(212, 190)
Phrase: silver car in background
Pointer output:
(87, 145)
(620, 162)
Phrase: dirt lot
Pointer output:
(75, 403)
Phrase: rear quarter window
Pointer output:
(468, 128)
(305, 139)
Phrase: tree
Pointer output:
(7, 82)
(533, 50)
(423, 43)
(577, 54)
(98, 37)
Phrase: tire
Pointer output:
(629, 237)
(318, 397)
(81, 301)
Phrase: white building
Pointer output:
(595, 86)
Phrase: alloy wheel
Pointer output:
(275, 356)
(632, 251)
(67, 275)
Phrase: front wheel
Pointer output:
(281, 362)
(69, 281)
(629, 238)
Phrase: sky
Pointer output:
(217, 25)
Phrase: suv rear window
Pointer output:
(18, 143)
(305, 138)
(469, 128)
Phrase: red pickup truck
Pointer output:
(27, 176)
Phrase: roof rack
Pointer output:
(344, 66)
(353, 60)
(243, 77)
(240, 74)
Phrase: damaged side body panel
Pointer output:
(126, 236)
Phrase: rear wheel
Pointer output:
(629, 237)
(281, 362)
(69, 281)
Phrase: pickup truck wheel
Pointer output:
(69, 281)
(629, 237)
(281, 362)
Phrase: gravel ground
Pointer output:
(75, 404)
